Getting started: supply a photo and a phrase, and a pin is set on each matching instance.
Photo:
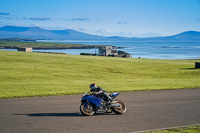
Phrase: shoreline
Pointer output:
(57, 48)
(50, 48)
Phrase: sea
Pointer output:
(148, 50)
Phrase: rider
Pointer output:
(100, 92)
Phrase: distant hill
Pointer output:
(188, 35)
(39, 33)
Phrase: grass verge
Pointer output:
(192, 129)
(39, 74)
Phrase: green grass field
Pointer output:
(192, 129)
(41, 74)
(44, 45)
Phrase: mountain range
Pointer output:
(39, 33)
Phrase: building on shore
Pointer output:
(25, 49)
(109, 51)
(124, 54)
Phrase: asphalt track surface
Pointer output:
(60, 114)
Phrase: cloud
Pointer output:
(109, 33)
(78, 19)
(4, 13)
(122, 22)
(9, 18)
(66, 19)
(106, 32)
(102, 32)
(86, 19)
(98, 19)
(151, 34)
(38, 18)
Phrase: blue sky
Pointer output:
(129, 18)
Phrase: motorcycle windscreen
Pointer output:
(94, 100)
(113, 95)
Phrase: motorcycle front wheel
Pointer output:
(87, 111)
(120, 109)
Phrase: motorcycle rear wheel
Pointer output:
(86, 111)
(121, 109)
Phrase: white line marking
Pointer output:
(151, 130)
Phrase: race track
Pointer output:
(60, 114)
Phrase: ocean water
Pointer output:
(149, 50)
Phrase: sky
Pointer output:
(127, 18)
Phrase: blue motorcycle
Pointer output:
(91, 104)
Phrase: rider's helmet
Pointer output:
(93, 87)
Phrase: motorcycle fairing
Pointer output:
(94, 100)
(113, 95)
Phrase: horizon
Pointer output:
(129, 18)
(99, 35)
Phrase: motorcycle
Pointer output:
(91, 104)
